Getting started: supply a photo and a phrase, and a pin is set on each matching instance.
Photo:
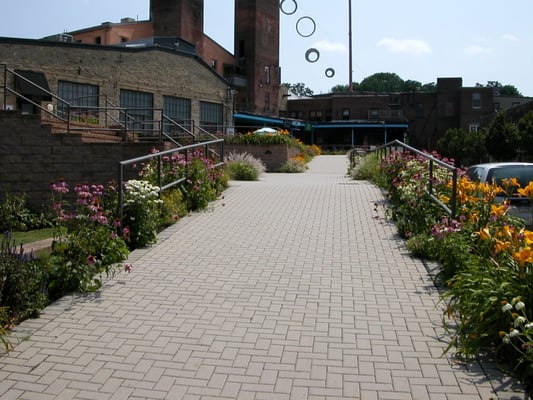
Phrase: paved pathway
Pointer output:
(293, 287)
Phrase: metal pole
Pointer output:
(350, 79)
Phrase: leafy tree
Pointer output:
(509, 90)
(504, 90)
(464, 147)
(299, 89)
(339, 89)
(503, 139)
(411, 86)
(429, 87)
(382, 82)
(525, 127)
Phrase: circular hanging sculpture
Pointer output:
(312, 55)
(288, 12)
(330, 72)
(302, 20)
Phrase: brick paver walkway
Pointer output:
(292, 287)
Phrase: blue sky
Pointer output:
(479, 41)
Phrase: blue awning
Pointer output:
(258, 119)
(334, 125)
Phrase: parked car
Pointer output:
(495, 172)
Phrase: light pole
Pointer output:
(350, 89)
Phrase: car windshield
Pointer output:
(523, 174)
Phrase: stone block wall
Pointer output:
(31, 157)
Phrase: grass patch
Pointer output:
(32, 236)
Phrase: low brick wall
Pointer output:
(273, 156)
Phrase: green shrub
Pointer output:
(22, 283)
(173, 207)
(16, 216)
(294, 165)
(244, 166)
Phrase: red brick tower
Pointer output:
(181, 18)
(257, 52)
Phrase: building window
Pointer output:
(497, 107)
(242, 48)
(473, 127)
(373, 113)
(267, 74)
(179, 110)
(296, 114)
(139, 110)
(214, 64)
(329, 115)
(98, 40)
(77, 95)
(315, 115)
(211, 118)
(476, 100)
(346, 113)
(123, 39)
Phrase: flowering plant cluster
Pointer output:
(280, 137)
(485, 257)
(202, 181)
(88, 240)
(407, 180)
(141, 212)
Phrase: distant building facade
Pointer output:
(346, 120)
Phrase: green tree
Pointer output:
(411, 86)
(299, 89)
(453, 145)
(429, 87)
(503, 139)
(503, 90)
(339, 89)
(382, 82)
(525, 128)
(464, 147)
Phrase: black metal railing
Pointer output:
(433, 163)
(77, 114)
(213, 149)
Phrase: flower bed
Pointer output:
(485, 258)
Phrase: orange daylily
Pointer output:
(527, 191)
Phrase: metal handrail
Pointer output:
(389, 147)
(159, 156)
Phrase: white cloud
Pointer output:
(510, 37)
(414, 47)
(331, 47)
(476, 50)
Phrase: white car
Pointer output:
(495, 172)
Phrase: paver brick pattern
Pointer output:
(291, 287)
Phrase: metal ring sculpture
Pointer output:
(330, 72)
(308, 55)
(287, 12)
(304, 19)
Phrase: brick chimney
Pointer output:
(181, 18)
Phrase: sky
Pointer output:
(477, 40)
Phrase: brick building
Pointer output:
(253, 72)
(346, 120)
